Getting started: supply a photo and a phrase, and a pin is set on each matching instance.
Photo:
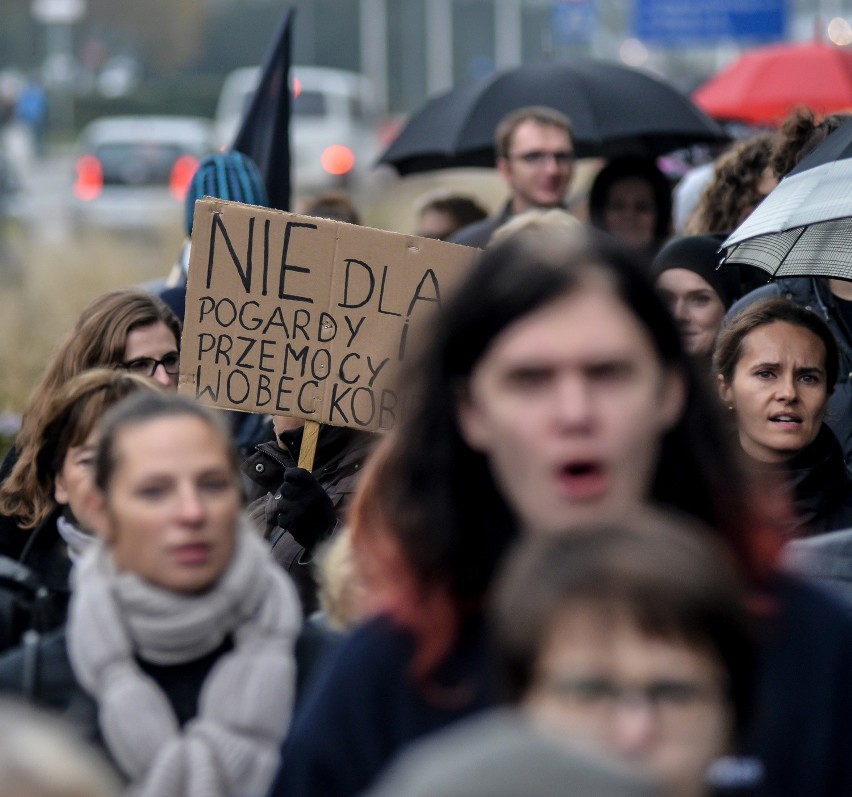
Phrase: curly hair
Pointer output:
(733, 192)
(799, 135)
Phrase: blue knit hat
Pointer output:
(226, 175)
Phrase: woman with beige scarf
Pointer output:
(181, 628)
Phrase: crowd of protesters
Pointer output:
(601, 553)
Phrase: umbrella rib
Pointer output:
(789, 249)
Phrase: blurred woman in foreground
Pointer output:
(631, 639)
(181, 629)
(554, 391)
(42, 757)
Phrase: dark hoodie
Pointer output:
(819, 483)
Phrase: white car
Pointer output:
(334, 125)
(133, 172)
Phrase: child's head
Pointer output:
(633, 638)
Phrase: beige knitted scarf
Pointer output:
(231, 746)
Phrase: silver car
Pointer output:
(132, 172)
(335, 123)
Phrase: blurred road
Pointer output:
(42, 204)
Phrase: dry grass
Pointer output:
(41, 298)
(49, 286)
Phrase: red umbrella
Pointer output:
(765, 84)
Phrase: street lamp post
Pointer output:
(58, 17)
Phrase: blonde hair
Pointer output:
(341, 586)
(537, 220)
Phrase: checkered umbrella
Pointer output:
(804, 227)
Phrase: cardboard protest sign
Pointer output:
(295, 315)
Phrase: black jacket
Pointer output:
(40, 672)
(12, 537)
(820, 485)
(40, 600)
(339, 457)
(365, 704)
(814, 294)
(802, 728)
(46, 554)
(479, 233)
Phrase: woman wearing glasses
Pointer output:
(125, 328)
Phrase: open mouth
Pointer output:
(786, 418)
(192, 554)
(582, 480)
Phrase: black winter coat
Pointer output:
(12, 537)
(339, 457)
(820, 485)
(364, 706)
(43, 605)
(479, 233)
(40, 672)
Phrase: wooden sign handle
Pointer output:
(308, 449)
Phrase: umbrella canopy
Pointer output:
(613, 109)
(804, 226)
(765, 84)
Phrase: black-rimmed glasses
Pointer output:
(147, 366)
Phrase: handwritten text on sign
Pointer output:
(294, 315)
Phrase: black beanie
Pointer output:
(700, 254)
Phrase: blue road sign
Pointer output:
(709, 21)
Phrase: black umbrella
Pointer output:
(613, 109)
(804, 227)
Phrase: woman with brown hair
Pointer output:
(776, 366)
(127, 329)
(53, 491)
(181, 626)
(631, 199)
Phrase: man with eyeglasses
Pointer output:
(535, 157)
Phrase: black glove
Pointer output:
(304, 508)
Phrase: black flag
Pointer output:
(264, 132)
